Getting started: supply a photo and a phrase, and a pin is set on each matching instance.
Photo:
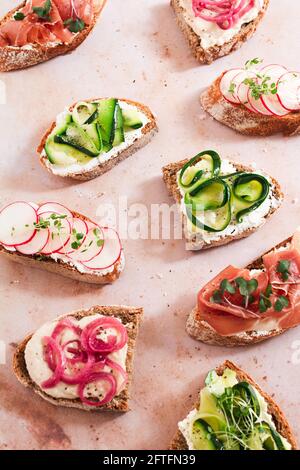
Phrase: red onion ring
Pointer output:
(118, 368)
(93, 377)
(53, 355)
(226, 12)
(91, 343)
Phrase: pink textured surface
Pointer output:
(137, 51)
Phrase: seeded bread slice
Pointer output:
(148, 131)
(207, 56)
(280, 421)
(130, 317)
(239, 118)
(194, 241)
(202, 331)
(17, 58)
(64, 269)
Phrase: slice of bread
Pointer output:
(207, 56)
(281, 423)
(239, 118)
(130, 317)
(148, 131)
(64, 269)
(194, 241)
(202, 331)
(17, 58)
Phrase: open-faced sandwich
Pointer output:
(83, 359)
(241, 306)
(51, 237)
(256, 99)
(38, 30)
(215, 28)
(219, 200)
(233, 413)
(91, 137)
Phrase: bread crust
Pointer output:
(131, 317)
(207, 56)
(62, 268)
(170, 178)
(239, 118)
(17, 58)
(202, 331)
(148, 131)
(281, 423)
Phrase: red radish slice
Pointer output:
(242, 92)
(274, 71)
(55, 207)
(273, 105)
(37, 244)
(79, 227)
(258, 105)
(92, 245)
(226, 81)
(57, 237)
(17, 223)
(110, 254)
(288, 91)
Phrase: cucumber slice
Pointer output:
(263, 437)
(250, 190)
(106, 121)
(83, 111)
(76, 137)
(119, 136)
(203, 437)
(210, 412)
(64, 155)
(62, 123)
(204, 165)
(93, 131)
(132, 119)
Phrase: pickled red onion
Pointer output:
(91, 343)
(225, 13)
(55, 359)
(94, 377)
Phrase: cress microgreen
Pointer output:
(44, 11)
(252, 62)
(283, 267)
(75, 26)
(281, 303)
(19, 16)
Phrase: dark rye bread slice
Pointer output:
(148, 131)
(17, 58)
(170, 178)
(202, 331)
(239, 118)
(280, 421)
(207, 56)
(130, 317)
(60, 267)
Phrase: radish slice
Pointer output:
(242, 91)
(226, 81)
(37, 244)
(273, 105)
(92, 246)
(288, 87)
(258, 105)
(17, 223)
(57, 237)
(80, 228)
(273, 71)
(110, 254)
(56, 208)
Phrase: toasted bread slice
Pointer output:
(17, 58)
(194, 241)
(281, 423)
(130, 317)
(207, 56)
(202, 331)
(64, 269)
(241, 120)
(147, 132)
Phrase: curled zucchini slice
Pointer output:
(249, 191)
(206, 164)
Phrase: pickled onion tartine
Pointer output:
(256, 99)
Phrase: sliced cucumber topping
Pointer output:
(64, 155)
(76, 137)
(250, 190)
(205, 165)
(263, 437)
(106, 120)
(62, 124)
(83, 112)
(132, 119)
(119, 136)
(93, 131)
(202, 436)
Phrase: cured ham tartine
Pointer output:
(51, 237)
(256, 100)
(215, 28)
(39, 30)
(241, 306)
(83, 359)
(91, 137)
(219, 200)
(233, 413)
